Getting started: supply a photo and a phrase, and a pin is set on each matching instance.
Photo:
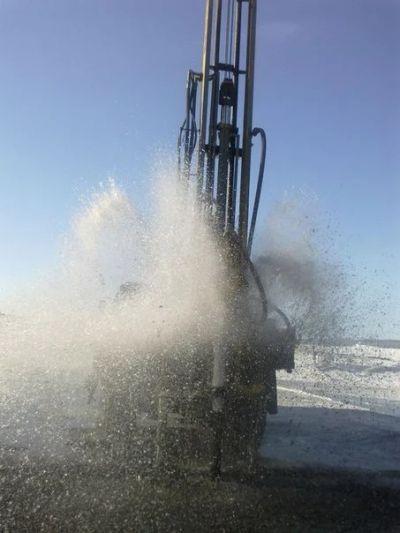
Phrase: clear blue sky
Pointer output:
(90, 88)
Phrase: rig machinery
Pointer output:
(221, 420)
(214, 147)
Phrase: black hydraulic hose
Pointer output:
(260, 286)
(264, 301)
(281, 314)
(254, 133)
(255, 274)
(189, 126)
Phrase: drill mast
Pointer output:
(216, 136)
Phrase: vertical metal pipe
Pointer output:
(223, 186)
(212, 127)
(261, 132)
(205, 68)
(186, 163)
(238, 25)
(235, 180)
(233, 173)
(247, 124)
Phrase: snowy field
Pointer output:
(340, 407)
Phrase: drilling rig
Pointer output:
(214, 149)
(218, 419)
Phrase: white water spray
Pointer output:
(52, 334)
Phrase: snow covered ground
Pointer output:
(340, 407)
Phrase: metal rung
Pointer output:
(227, 68)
